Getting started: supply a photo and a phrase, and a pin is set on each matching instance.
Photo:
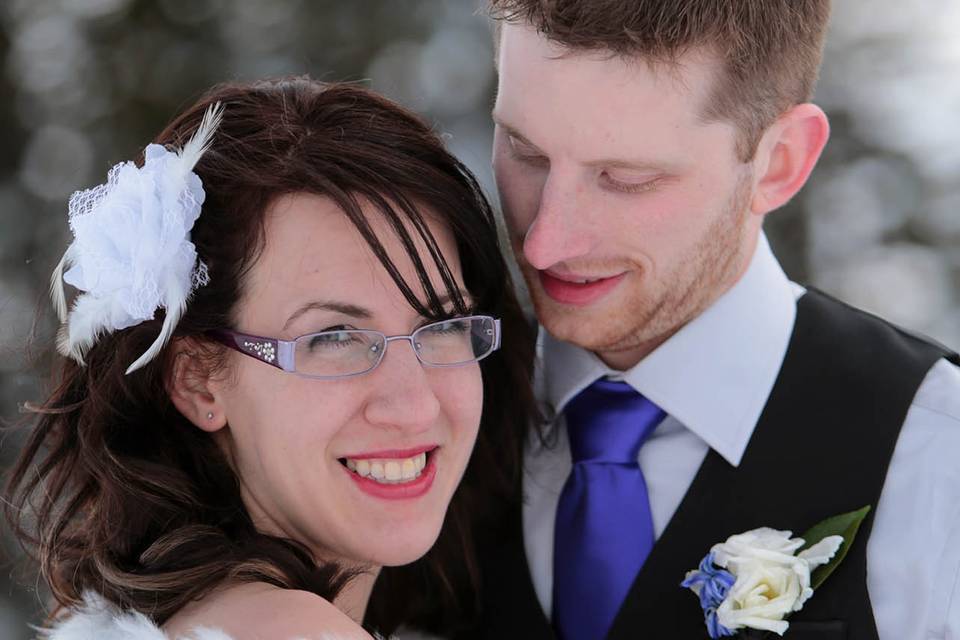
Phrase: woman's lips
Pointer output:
(396, 476)
(569, 291)
(391, 453)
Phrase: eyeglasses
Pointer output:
(329, 355)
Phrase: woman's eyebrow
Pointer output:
(445, 298)
(356, 311)
(327, 305)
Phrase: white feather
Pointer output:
(63, 341)
(97, 619)
(89, 319)
(200, 141)
(176, 305)
(56, 287)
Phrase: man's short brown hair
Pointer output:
(770, 49)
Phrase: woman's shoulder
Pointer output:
(247, 612)
(97, 618)
(257, 610)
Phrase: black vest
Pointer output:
(821, 447)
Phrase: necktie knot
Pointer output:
(609, 422)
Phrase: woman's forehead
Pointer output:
(313, 250)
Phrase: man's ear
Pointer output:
(192, 389)
(786, 155)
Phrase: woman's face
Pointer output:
(290, 437)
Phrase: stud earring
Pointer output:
(210, 415)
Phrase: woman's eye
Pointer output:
(449, 326)
(332, 339)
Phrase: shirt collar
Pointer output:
(714, 375)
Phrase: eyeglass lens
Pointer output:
(352, 351)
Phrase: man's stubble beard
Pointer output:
(654, 311)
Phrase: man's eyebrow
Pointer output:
(613, 163)
(327, 305)
(633, 165)
(513, 132)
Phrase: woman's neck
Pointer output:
(355, 595)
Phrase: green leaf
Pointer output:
(846, 525)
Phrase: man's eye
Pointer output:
(532, 159)
(523, 152)
(629, 186)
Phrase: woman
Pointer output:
(301, 429)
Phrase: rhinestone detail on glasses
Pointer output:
(265, 350)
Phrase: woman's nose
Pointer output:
(401, 394)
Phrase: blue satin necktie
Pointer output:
(604, 529)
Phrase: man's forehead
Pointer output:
(527, 54)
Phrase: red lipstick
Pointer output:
(392, 453)
(402, 490)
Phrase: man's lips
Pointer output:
(572, 290)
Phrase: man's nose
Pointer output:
(560, 230)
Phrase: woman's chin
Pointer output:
(401, 547)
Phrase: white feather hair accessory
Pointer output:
(132, 252)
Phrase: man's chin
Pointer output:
(586, 327)
(612, 325)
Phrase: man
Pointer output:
(639, 146)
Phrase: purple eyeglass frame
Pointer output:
(280, 353)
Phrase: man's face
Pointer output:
(628, 213)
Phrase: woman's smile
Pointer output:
(394, 475)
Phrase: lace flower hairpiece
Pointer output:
(132, 252)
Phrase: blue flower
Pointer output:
(712, 585)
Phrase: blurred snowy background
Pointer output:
(86, 83)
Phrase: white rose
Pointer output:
(771, 579)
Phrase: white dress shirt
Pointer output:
(713, 378)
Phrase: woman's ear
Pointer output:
(192, 389)
(787, 154)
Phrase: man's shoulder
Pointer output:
(938, 398)
(940, 391)
(867, 346)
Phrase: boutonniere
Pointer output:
(756, 579)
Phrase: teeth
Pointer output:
(391, 471)
(362, 467)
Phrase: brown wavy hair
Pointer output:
(117, 492)
(770, 50)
